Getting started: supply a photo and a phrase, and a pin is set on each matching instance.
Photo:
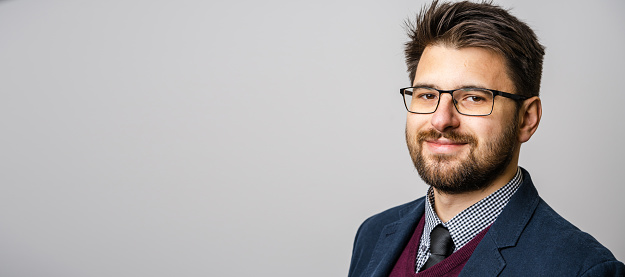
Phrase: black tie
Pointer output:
(441, 246)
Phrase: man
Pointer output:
(475, 72)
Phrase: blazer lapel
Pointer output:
(486, 260)
(392, 241)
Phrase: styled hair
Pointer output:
(484, 25)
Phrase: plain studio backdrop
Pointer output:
(251, 138)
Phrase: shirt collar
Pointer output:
(467, 224)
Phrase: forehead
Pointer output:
(450, 68)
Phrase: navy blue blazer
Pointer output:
(528, 239)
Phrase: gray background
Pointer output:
(195, 138)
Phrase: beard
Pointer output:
(452, 174)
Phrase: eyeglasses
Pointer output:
(468, 101)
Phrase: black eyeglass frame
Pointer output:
(515, 97)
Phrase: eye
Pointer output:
(426, 96)
(474, 98)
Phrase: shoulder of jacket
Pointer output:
(567, 241)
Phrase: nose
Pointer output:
(445, 117)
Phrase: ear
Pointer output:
(529, 116)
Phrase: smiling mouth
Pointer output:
(448, 143)
(445, 141)
(444, 146)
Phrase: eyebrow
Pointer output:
(429, 85)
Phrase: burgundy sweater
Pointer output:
(451, 266)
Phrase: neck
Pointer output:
(449, 205)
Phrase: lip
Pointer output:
(444, 146)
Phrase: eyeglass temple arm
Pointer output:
(510, 95)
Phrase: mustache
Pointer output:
(453, 136)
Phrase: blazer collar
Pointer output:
(486, 260)
(393, 239)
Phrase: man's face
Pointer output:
(456, 153)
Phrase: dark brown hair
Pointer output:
(467, 24)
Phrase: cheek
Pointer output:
(416, 122)
(488, 133)
(483, 129)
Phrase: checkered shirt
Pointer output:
(467, 224)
